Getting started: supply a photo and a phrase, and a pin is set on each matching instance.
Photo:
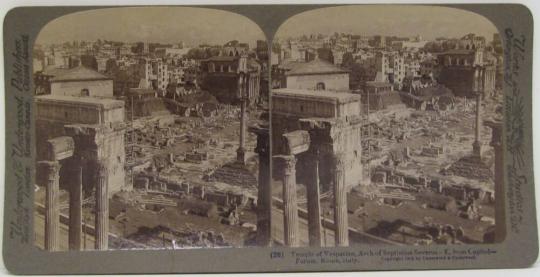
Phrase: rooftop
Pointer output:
(341, 97)
(141, 91)
(93, 101)
(79, 73)
(316, 66)
(222, 58)
(378, 84)
(458, 52)
(53, 71)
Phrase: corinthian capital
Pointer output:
(339, 160)
(51, 169)
(290, 163)
(102, 169)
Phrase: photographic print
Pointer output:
(268, 138)
(387, 123)
(146, 130)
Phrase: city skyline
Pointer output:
(430, 22)
(152, 24)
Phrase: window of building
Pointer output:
(320, 86)
(211, 67)
(85, 92)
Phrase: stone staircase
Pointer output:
(235, 174)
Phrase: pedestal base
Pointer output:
(477, 149)
(241, 155)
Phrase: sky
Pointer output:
(193, 26)
(400, 20)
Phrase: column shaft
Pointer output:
(102, 208)
(243, 123)
(290, 213)
(241, 152)
(313, 205)
(264, 203)
(477, 149)
(75, 209)
(478, 117)
(500, 195)
(52, 209)
(341, 220)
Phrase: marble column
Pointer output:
(341, 220)
(242, 96)
(500, 193)
(290, 206)
(313, 202)
(75, 208)
(52, 205)
(264, 190)
(102, 208)
(477, 146)
(241, 151)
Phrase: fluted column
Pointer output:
(313, 203)
(341, 220)
(102, 207)
(52, 209)
(290, 213)
(75, 208)
(500, 195)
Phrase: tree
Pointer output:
(196, 54)
(325, 54)
(111, 66)
(359, 74)
(89, 61)
(347, 60)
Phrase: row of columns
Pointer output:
(52, 207)
(290, 206)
